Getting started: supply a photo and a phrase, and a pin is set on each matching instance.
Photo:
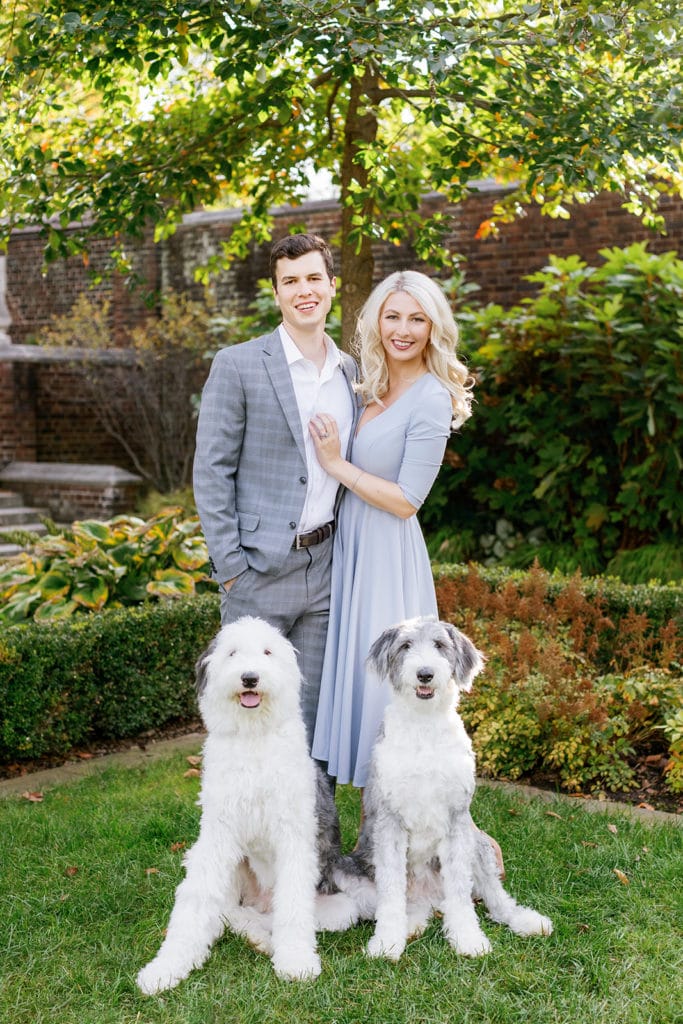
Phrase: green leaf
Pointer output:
(171, 583)
(93, 594)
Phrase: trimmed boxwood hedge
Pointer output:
(117, 673)
(107, 675)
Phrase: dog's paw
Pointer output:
(469, 942)
(418, 919)
(297, 967)
(387, 948)
(156, 977)
(526, 921)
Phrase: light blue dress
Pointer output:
(380, 573)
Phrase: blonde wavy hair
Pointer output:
(440, 353)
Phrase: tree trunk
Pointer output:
(356, 266)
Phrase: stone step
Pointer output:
(7, 550)
(30, 527)
(10, 499)
(17, 517)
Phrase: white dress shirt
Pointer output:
(324, 391)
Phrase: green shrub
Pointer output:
(577, 433)
(93, 565)
(580, 674)
(110, 675)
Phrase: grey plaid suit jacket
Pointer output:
(250, 463)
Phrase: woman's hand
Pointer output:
(374, 490)
(325, 434)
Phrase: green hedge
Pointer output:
(581, 674)
(107, 675)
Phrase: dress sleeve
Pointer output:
(426, 437)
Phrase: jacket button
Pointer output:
(292, 526)
(302, 479)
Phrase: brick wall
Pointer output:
(17, 411)
(44, 417)
(35, 296)
(67, 428)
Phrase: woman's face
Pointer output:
(404, 329)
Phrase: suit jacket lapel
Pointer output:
(281, 379)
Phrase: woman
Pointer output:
(414, 390)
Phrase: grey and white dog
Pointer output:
(418, 842)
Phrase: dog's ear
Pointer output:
(468, 661)
(201, 667)
(378, 656)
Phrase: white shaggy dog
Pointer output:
(418, 839)
(269, 834)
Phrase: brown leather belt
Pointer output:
(317, 536)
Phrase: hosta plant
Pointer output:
(94, 565)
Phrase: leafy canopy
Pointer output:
(119, 116)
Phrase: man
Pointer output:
(266, 506)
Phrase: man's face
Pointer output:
(303, 292)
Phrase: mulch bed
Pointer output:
(650, 790)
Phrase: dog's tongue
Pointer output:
(425, 692)
(250, 699)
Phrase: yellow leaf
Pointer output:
(613, 829)
(621, 876)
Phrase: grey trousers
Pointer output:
(297, 601)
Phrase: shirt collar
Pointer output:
(293, 354)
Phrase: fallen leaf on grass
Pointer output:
(194, 759)
(613, 829)
(621, 876)
(83, 755)
(177, 846)
(71, 871)
(645, 807)
(34, 798)
(593, 846)
(192, 773)
(552, 814)
(583, 928)
(151, 871)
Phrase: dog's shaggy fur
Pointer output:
(269, 835)
(418, 840)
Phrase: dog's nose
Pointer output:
(425, 675)
(249, 679)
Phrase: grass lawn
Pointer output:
(87, 883)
